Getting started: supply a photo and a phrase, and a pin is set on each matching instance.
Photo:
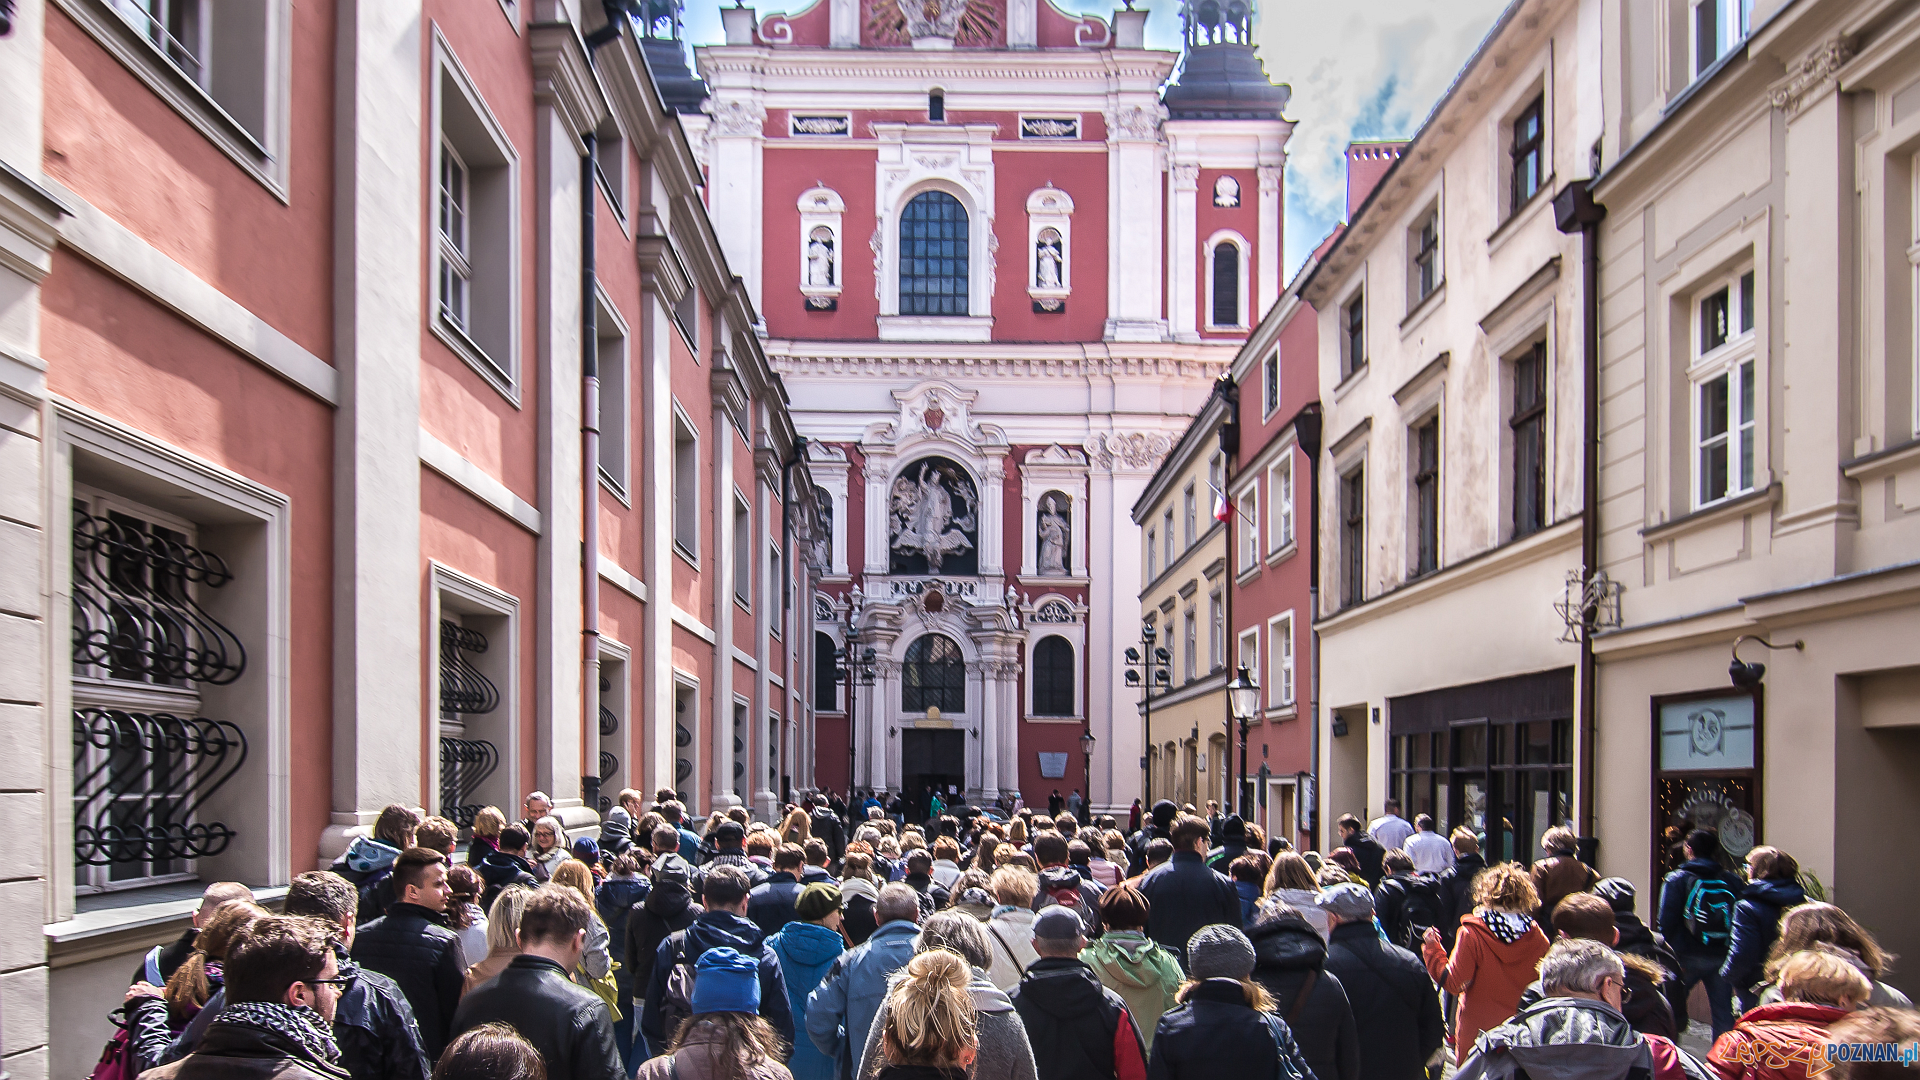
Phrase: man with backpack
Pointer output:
(1407, 903)
(669, 999)
(1696, 918)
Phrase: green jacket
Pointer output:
(1134, 966)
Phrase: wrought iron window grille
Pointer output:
(140, 780)
(464, 691)
(134, 613)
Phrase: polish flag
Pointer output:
(1221, 511)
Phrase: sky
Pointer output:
(1360, 69)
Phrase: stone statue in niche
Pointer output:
(1052, 529)
(1226, 192)
(820, 258)
(823, 536)
(934, 519)
(1047, 260)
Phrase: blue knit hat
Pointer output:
(725, 981)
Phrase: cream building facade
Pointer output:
(1184, 606)
(1450, 335)
(1761, 471)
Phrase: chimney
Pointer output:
(1367, 162)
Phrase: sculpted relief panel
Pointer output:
(933, 519)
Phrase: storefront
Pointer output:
(1496, 757)
(1706, 774)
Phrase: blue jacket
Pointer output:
(1756, 922)
(806, 950)
(689, 846)
(841, 1011)
(710, 931)
(1673, 905)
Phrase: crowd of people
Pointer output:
(843, 943)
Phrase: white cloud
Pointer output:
(1360, 69)
(1370, 69)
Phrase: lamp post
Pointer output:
(1243, 695)
(855, 666)
(1086, 771)
(1148, 666)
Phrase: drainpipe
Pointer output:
(1575, 210)
(1307, 430)
(590, 467)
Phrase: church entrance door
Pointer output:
(931, 761)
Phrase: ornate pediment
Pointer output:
(933, 411)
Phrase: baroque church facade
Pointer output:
(1000, 255)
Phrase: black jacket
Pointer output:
(1187, 896)
(245, 1052)
(770, 905)
(1371, 856)
(1215, 1035)
(1756, 922)
(1456, 892)
(1396, 1011)
(932, 897)
(1644, 1006)
(667, 908)
(858, 919)
(827, 827)
(1072, 1021)
(172, 955)
(1066, 877)
(711, 930)
(374, 1026)
(1638, 940)
(1287, 953)
(1406, 904)
(499, 870)
(568, 1024)
(409, 946)
(1673, 903)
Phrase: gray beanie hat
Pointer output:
(1219, 951)
(1348, 902)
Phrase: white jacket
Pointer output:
(1010, 935)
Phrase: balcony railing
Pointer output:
(464, 765)
(134, 613)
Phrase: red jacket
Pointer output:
(1775, 1042)
(1487, 974)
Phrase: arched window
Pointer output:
(1226, 284)
(826, 674)
(1053, 677)
(933, 255)
(933, 677)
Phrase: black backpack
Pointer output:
(1709, 910)
(676, 1004)
(1424, 908)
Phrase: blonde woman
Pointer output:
(486, 834)
(1496, 954)
(797, 828)
(1011, 925)
(547, 849)
(597, 961)
(1775, 1042)
(932, 1030)
(503, 935)
(1290, 881)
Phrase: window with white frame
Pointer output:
(742, 551)
(1226, 281)
(610, 164)
(1216, 630)
(1249, 651)
(1166, 530)
(1190, 512)
(1270, 384)
(686, 488)
(611, 360)
(1425, 461)
(1153, 554)
(1280, 502)
(1723, 376)
(776, 592)
(1717, 26)
(1423, 256)
(1216, 481)
(1190, 641)
(1280, 668)
(934, 253)
(1247, 527)
(145, 647)
(474, 229)
(1353, 334)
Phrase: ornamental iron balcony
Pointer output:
(464, 765)
(140, 780)
(134, 613)
(463, 688)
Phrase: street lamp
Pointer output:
(1243, 697)
(1086, 771)
(1147, 667)
(856, 666)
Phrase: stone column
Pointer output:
(981, 704)
(735, 138)
(719, 582)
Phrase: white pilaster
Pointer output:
(1182, 246)
(1268, 242)
(735, 192)
(720, 583)
(377, 622)
(1134, 183)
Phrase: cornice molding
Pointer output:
(563, 77)
(1809, 78)
(934, 367)
(1052, 65)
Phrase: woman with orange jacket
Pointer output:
(1496, 954)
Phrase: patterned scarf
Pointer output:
(302, 1025)
(1508, 926)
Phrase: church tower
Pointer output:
(999, 262)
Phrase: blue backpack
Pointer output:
(1709, 910)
